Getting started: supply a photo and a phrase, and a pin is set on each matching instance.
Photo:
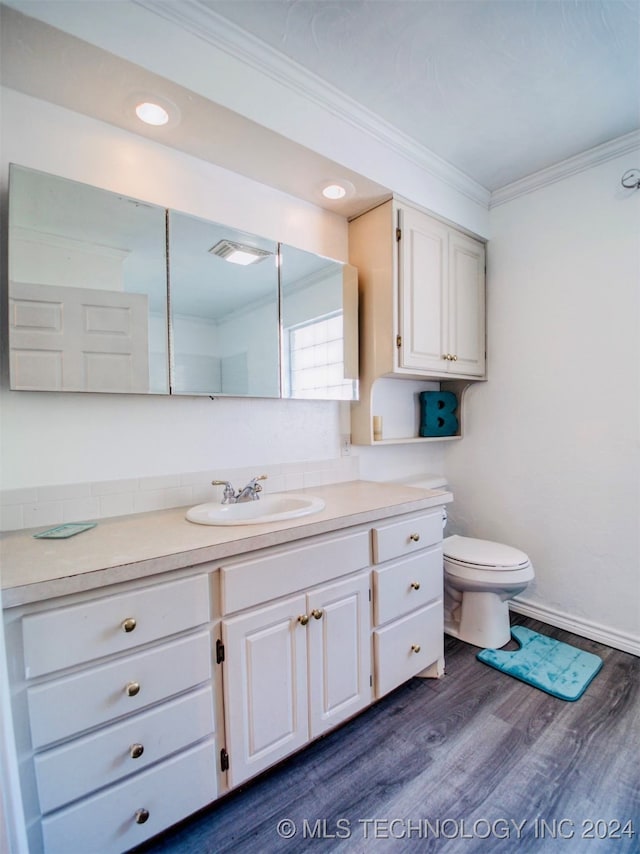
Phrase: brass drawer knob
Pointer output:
(414, 537)
(415, 647)
(129, 624)
(136, 751)
(303, 619)
(415, 585)
(317, 613)
(132, 689)
(141, 816)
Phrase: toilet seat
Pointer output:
(470, 553)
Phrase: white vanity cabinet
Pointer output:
(422, 304)
(298, 666)
(115, 713)
(138, 703)
(407, 596)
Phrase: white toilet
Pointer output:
(479, 579)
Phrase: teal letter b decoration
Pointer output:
(438, 413)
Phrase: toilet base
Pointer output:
(481, 619)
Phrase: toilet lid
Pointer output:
(483, 553)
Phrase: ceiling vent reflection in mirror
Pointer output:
(238, 253)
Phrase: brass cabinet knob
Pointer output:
(141, 816)
(454, 358)
(317, 613)
(414, 537)
(415, 585)
(132, 689)
(303, 619)
(136, 751)
(129, 624)
(446, 356)
(415, 647)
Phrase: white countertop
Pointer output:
(145, 544)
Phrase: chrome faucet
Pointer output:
(247, 493)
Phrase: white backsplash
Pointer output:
(53, 505)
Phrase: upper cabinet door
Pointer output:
(441, 284)
(87, 288)
(319, 326)
(466, 305)
(224, 310)
(423, 297)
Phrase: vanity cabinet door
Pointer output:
(265, 686)
(339, 652)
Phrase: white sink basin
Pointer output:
(268, 508)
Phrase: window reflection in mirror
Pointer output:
(87, 288)
(224, 310)
(319, 322)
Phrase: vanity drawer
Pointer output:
(76, 769)
(79, 633)
(395, 659)
(282, 572)
(407, 584)
(69, 705)
(107, 822)
(396, 539)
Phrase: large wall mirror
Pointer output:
(319, 326)
(87, 288)
(224, 310)
(91, 288)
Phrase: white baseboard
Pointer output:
(593, 631)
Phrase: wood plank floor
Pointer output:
(473, 762)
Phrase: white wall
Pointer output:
(550, 461)
(51, 439)
(67, 438)
(183, 43)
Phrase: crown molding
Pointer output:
(194, 17)
(571, 166)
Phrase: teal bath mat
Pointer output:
(557, 668)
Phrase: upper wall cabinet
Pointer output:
(224, 310)
(319, 326)
(422, 311)
(87, 288)
(422, 297)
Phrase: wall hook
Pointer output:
(631, 179)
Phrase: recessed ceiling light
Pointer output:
(152, 114)
(152, 108)
(334, 191)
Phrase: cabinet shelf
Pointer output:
(396, 401)
(411, 440)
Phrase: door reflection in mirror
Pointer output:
(87, 288)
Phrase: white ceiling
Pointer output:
(499, 89)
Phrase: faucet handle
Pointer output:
(229, 491)
(254, 485)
